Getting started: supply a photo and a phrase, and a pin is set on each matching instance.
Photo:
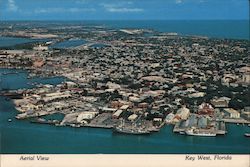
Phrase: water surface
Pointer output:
(69, 44)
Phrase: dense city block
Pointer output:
(133, 81)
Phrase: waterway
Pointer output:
(68, 44)
(21, 136)
(12, 41)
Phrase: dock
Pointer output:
(103, 120)
(177, 128)
(220, 128)
(236, 121)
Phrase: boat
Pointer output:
(196, 132)
(127, 129)
(10, 120)
(182, 133)
(247, 134)
(134, 131)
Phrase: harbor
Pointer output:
(54, 139)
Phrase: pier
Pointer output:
(103, 120)
(220, 128)
(236, 121)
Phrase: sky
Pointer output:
(124, 9)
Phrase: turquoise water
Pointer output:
(20, 136)
(68, 44)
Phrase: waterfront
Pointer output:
(24, 137)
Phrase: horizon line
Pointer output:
(127, 20)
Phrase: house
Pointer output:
(41, 48)
(183, 113)
(246, 113)
(221, 102)
(205, 109)
(117, 114)
(132, 117)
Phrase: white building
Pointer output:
(231, 113)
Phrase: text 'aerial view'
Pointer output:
(124, 77)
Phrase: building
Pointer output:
(132, 117)
(221, 102)
(41, 48)
(231, 113)
(202, 122)
(169, 118)
(246, 113)
(117, 114)
(205, 109)
(183, 113)
(86, 116)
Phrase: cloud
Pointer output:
(124, 10)
(11, 6)
(190, 1)
(121, 7)
(82, 1)
(63, 10)
(178, 1)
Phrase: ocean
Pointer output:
(21, 136)
(229, 29)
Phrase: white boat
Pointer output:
(182, 133)
(131, 131)
(247, 134)
(195, 132)
(135, 130)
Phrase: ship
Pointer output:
(182, 133)
(247, 134)
(196, 132)
(134, 130)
